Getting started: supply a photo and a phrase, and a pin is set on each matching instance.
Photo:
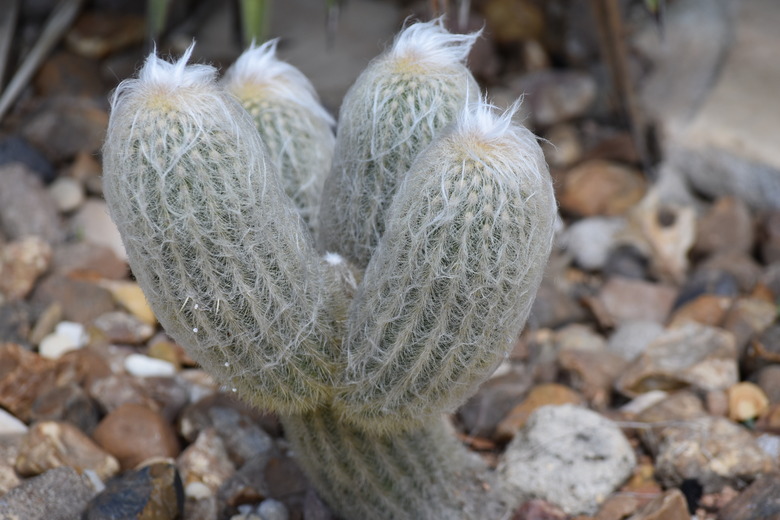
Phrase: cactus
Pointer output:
(436, 251)
(295, 128)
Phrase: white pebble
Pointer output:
(197, 490)
(145, 366)
(75, 331)
(55, 345)
(10, 425)
(67, 193)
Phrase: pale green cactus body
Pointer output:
(219, 250)
(393, 111)
(358, 365)
(425, 473)
(295, 128)
(452, 282)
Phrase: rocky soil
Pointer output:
(659, 311)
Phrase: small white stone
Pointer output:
(145, 366)
(67, 193)
(197, 490)
(10, 425)
(56, 345)
(271, 509)
(75, 331)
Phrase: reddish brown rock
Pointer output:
(24, 376)
(134, 433)
(51, 444)
(601, 188)
(707, 309)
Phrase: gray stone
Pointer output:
(631, 338)
(590, 240)
(58, 494)
(569, 456)
(26, 208)
(93, 223)
(270, 509)
(67, 194)
(555, 96)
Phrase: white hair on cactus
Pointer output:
(430, 42)
(260, 68)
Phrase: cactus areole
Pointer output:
(360, 286)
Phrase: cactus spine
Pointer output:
(359, 366)
(393, 111)
(295, 128)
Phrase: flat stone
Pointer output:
(748, 318)
(121, 327)
(22, 262)
(742, 266)
(58, 494)
(26, 208)
(153, 492)
(671, 505)
(204, 463)
(144, 366)
(630, 339)
(130, 296)
(51, 444)
(200, 415)
(711, 450)
(562, 146)
(589, 458)
(81, 301)
(770, 243)
(592, 373)
(23, 376)
(96, 34)
(693, 355)
(67, 74)
(67, 193)
(768, 379)
(93, 223)
(598, 187)
(590, 240)
(760, 501)
(15, 149)
(10, 425)
(555, 96)
(67, 403)
(9, 449)
(115, 390)
(727, 226)
(134, 433)
(630, 300)
(482, 413)
(707, 309)
(15, 322)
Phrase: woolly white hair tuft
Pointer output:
(430, 42)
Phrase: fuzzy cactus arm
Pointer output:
(394, 109)
(424, 473)
(218, 248)
(453, 279)
(296, 129)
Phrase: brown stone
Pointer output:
(601, 188)
(618, 507)
(746, 402)
(747, 318)
(768, 379)
(81, 301)
(51, 444)
(671, 505)
(707, 309)
(592, 373)
(540, 395)
(204, 464)
(96, 34)
(116, 390)
(65, 73)
(67, 403)
(24, 376)
(134, 433)
(62, 127)
(727, 226)
(88, 261)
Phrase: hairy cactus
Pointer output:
(447, 205)
(295, 128)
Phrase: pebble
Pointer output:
(121, 327)
(693, 355)
(24, 375)
(592, 373)
(115, 390)
(746, 402)
(270, 509)
(58, 494)
(22, 262)
(61, 127)
(67, 336)
(748, 318)
(44, 325)
(169, 393)
(770, 240)
(153, 492)
(711, 450)
(26, 207)
(554, 306)
(15, 149)
(81, 301)
(96, 34)
(67, 193)
(513, 22)
(540, 395)
(590, 240)
(630, 338)
(706, 309)
(598, 187)
(67, 74)
(204, 466)
(768, 379)
(482, 413)
(671, 505)
(569, 456)
(67, 403)
(707, 281)
(764, 349)
(10, 425)
(562, 146)
(760, 501)
(144, 366)
(51, 444)
(15, 322)
(536, 509)
(314, 508)
(133, 433)
(626, 261)
(88, 260)
(93, 223)
(9, 450)
(745, 270)
(727, 226)
(247, 485)
(130, 296)
(555, 96)
(625, 299)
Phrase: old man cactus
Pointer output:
(362, 327)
